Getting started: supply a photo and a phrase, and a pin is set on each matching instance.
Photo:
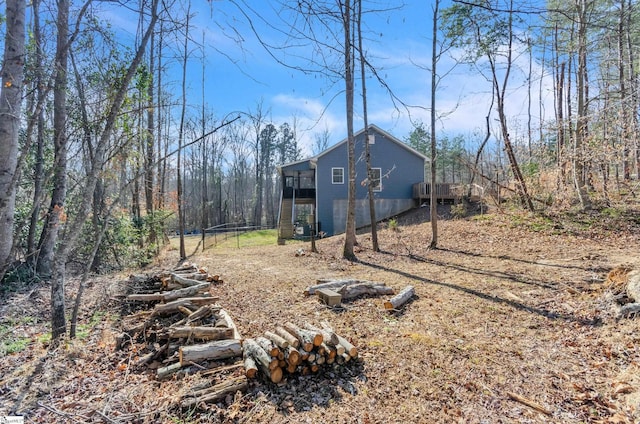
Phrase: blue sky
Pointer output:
(240, 74)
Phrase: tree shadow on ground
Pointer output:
(510, 276)
(297, 393)
(543, 312)
(525, 261)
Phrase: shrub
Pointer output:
(459, 210)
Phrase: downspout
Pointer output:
(312, 165)
(281, 198)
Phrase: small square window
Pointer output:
(337, 175)
(372, 139)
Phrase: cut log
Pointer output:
(328, 337)
(332, 351)
(168, 371)
(290, 338)
(202, 300)
(306, 342)
(349, 348)
(400, 299)
(279, 341)
(216, 393)
(187, 281)
(203, 333)
(185, 311)
(268, 346)
(262, 360)
(219, 349)
(186, 267)
(371, 289)
(221, 321)
(151, 297)
(145, 359)
(315, 333)
(250, 367)
(173, 307)
(304, 355)
(331, 284)
(329, 297)
(223, 369)
(185, 292)
(225, 315)
(292, 356)
(200, 313)
(322, 349)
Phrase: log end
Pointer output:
(276, 375)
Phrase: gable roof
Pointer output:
(313, 159)
(381, 131)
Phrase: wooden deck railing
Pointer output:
(443, 191)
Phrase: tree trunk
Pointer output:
(367, 147)
(149, 147)
(582, 120)
(56, 214)
(10, 107)
(183, 254)
(500, 89)
(433, 202)
(37, 121)
(86, 194)
(350, 228)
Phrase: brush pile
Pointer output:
(179, 323)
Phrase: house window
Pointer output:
(372, 139)
(288, 181)
(337, 175)
(376, 179)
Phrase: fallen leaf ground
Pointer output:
(509, 309)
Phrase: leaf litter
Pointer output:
(507, 325)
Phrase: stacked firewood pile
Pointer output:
(293, 349)
(176, 327)
(180, 324)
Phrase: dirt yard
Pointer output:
(514, 322)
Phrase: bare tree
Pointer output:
(488, 30)
(367, 147)
(348, 52)
(181, 131)
(56, 213)
(10, 108)
(74, 224)
(582, 117)
(321, 141)
(433, 201)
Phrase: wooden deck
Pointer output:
(444, 192)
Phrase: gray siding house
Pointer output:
(315, 190)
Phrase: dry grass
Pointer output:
(502, 312)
